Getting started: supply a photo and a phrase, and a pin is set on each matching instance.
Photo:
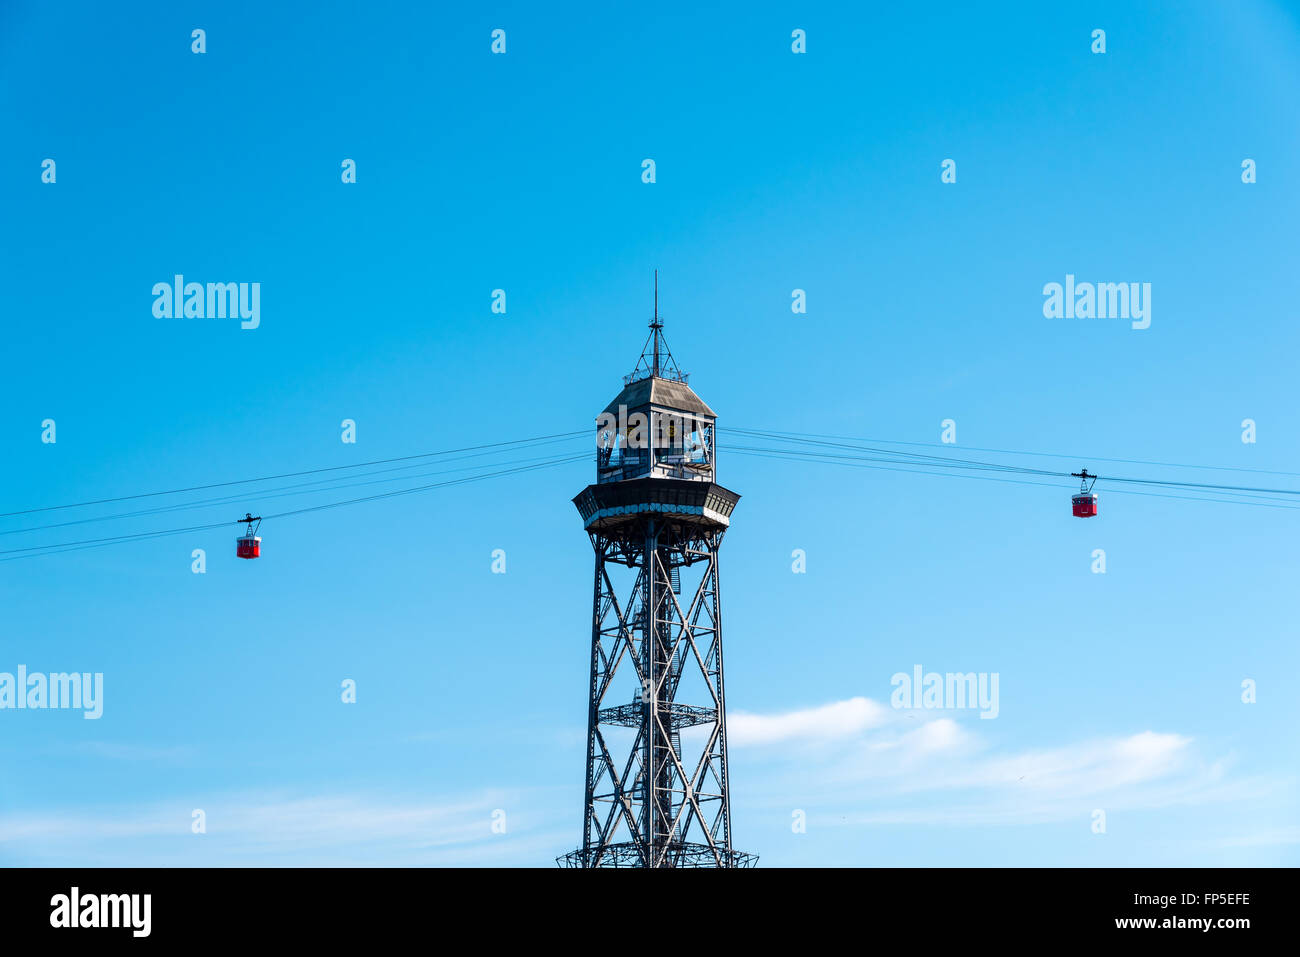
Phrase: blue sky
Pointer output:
(775, 171)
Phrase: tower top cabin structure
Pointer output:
(656, 789)
(657, 426)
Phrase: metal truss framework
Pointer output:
(657, 805)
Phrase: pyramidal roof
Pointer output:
(657, 380)
(655, 390)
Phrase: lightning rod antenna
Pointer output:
(656, 325)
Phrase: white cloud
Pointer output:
(895, 766)
(252, 829)
(835, 720)
(121, 751)
(941, 734)
(1271, 837)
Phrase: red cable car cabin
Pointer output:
(1085, 503)
(249, 545)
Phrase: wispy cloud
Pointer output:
(835, 720)
(871, 764)
(124, 751)
(276, 829)
(1268, 837)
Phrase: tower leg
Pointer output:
(664, 804)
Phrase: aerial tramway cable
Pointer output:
(939, 460)
(31, 551)
(300, 488)
(268, 478)
(974, 448)
(783, 445)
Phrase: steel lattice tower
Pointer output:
(656, 787)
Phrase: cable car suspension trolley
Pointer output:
(249, 545)
(1085, 503)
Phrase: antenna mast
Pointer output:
(656, 325)
(656, 358)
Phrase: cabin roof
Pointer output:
(666, 393)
